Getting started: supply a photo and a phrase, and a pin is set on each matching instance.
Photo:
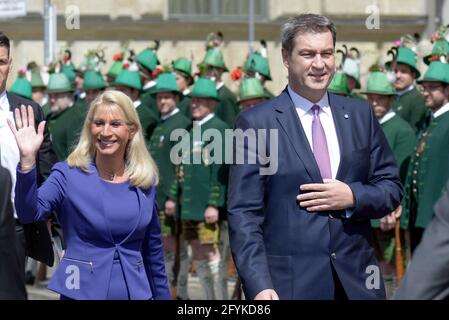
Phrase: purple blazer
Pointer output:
(84, 271)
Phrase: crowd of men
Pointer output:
(412, 110)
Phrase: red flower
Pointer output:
(126, 65)
(157, 71)
(118, 57)
(434, 58)
(236, 74)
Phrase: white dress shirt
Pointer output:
(9, 152)
(172, 113)
(304, 110)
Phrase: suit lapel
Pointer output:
(342, 120)
(291, 124)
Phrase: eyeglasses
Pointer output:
(433, 87)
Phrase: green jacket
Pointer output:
(61, 133)
(148, 120)
(184, 106)
(401, 139)
(430, 171)
(80, 109)
(204, 184)
(411, 107)
(147, 98)
(227, 108)
(160, 147)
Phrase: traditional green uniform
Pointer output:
(160, 147)
(429, 166)
(411, 107)
(204, 183)
(227, 109)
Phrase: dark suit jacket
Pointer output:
(278, 244)
(428, 274)
(38, 242)
(11, 277)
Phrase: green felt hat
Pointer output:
(378, 83)
(129, 79)
(148, 59)
(58, 82)
(22, 87)
(339, 84)
(251, 88)
(166, 82)
(116, 68)
(406, 56)
(214, 58)
(440, 48)
(204, 88)
(183, 65)
(93, 80)
(437, 72)
(69, 71)
(257, 63)
(36, 80)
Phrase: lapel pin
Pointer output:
(346, 116)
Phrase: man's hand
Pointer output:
(170, 207)
(330, 195)
(267, 294)
(388, 222)
(211, 215)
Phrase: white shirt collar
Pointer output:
(219, 85)
(204, 120)
(4, 103)
(137, 103)
(303, 105)
(388, 116)
(186, 91)
(404, 91)
(172, 113)
(441, 111)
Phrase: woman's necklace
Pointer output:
(109, 176)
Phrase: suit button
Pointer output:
(334, 256)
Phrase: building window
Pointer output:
(216, 9)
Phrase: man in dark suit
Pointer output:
(331, 150)
(26, 235)
(428, 274)
(11, 278)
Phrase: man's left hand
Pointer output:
(330, 195)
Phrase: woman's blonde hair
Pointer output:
(139, 165)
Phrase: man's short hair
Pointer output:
(305, 23)
(4, 41)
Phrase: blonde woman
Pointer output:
(104, 195)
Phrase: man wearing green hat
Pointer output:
(339, 84)
(147, 61)
(251, 93)
(401, 138)
(128, 82)
(428, 170)
(160, 145)
(63, 113)
(38, 88)
(227, 109)
(93, 85)
(257, 66)
(183, 70)
(409, 104)
(203, 190)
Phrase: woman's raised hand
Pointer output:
(28, 140)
